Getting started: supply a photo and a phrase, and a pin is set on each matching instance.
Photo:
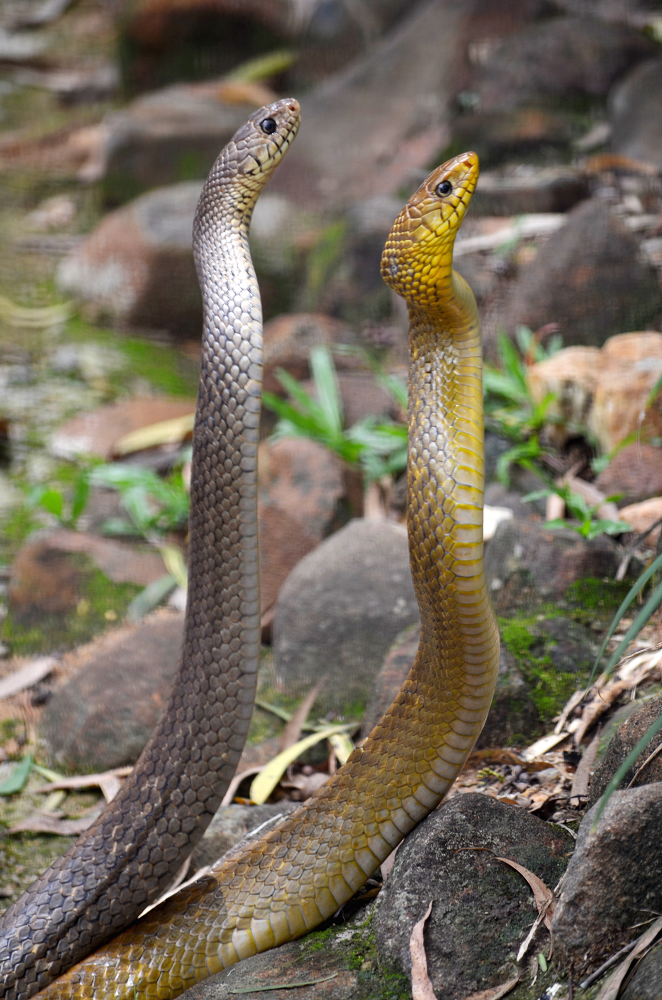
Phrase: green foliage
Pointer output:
(378, 447)
(154, 506)
(66, 509)
(584, 522)
(19, 776)
(509, 408)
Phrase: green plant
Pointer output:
(378, 447)
(65, 509)
(509, 408)
(154, 506)
(584, 520)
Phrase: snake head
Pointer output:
(262, 141)
(418, 255)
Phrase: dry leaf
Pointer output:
(582, 776)
(43, 823)
(305, 785)
(421, 987)
(236, 781)
(107, 781)
(602, 700)
(496, 992)
(612, 987)
(27, 676)
(542, 745)
(542, 894)
(292, 730)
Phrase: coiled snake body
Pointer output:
(294, 877)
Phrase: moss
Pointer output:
(591, 600)
(99, 595)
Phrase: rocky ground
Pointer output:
(111, 114)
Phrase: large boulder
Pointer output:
(622, 743)
(340, 609)
(482, 908)
(588, 277)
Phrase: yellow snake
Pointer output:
(284, 884)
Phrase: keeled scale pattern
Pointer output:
(133, 851)
(299, 873)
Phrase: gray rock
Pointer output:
(136, 267)
(482, 907)
(646, 983)
(624, 740)
(104, 715)
(636, 112)
(527, 564)
(340, 609)
(613, 882)
(231, 824)
(635, 473)
(555, 189)
(607, 288)
(567, 57)
(397, 664)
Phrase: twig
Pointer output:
(645, 763)
(625, 950)
(632, 548)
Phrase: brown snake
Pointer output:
(294, 877)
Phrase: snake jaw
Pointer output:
(418, 256)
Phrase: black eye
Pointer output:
(443, 189)
(268, 126)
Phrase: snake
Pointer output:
(287, 881)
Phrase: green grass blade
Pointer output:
(625, 767)
(326, 383)
(651, 605)
(640, 582)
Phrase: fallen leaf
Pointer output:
(612, 987)
(27, 676)
(284, 986)
(271, 773)
(42, 823)
(107, 781)
(496, 992)
(542, 894)
(305, 785)
(236, 781)
(19, 776)
(421, 987)
(542, 745)
(172, 431)
(582, 776)
(292, 730)
(602, 700)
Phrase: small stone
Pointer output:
(624, 740)
(231, 824)
(636, 114)
(635, 472)
(606, 286)
(482, 908)
(642, 516)
(104, 715)
(604, 894)
(571, 377)
(632, 365)
(339, 611)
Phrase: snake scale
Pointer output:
(289, 880)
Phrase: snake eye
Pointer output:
(268, 125)
(443, 189)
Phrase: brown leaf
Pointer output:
(496, 992)
(542, 894)
(612, 987)
(41, 822)
(421, 987)
(582, 775)
(603, 700)
(292, 730)
(107, 781)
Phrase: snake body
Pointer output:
(288, 881)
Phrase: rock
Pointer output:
(554, 189)
(230, 825)
(527, 564)
(621, 744)
(636, 114)
(482, 908)
(642, 516)
(632, 365)
(68, 586)
(606, 287)
(635, 472)
(563, 58)
(604, 391)
(137, 268)
(97, 431)
(646, 983)
(604, 894)
(571, 377)
(397, 664)
(104, 715)
(503, 136)
(288, 340)
(301, 487)
(339, 611)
